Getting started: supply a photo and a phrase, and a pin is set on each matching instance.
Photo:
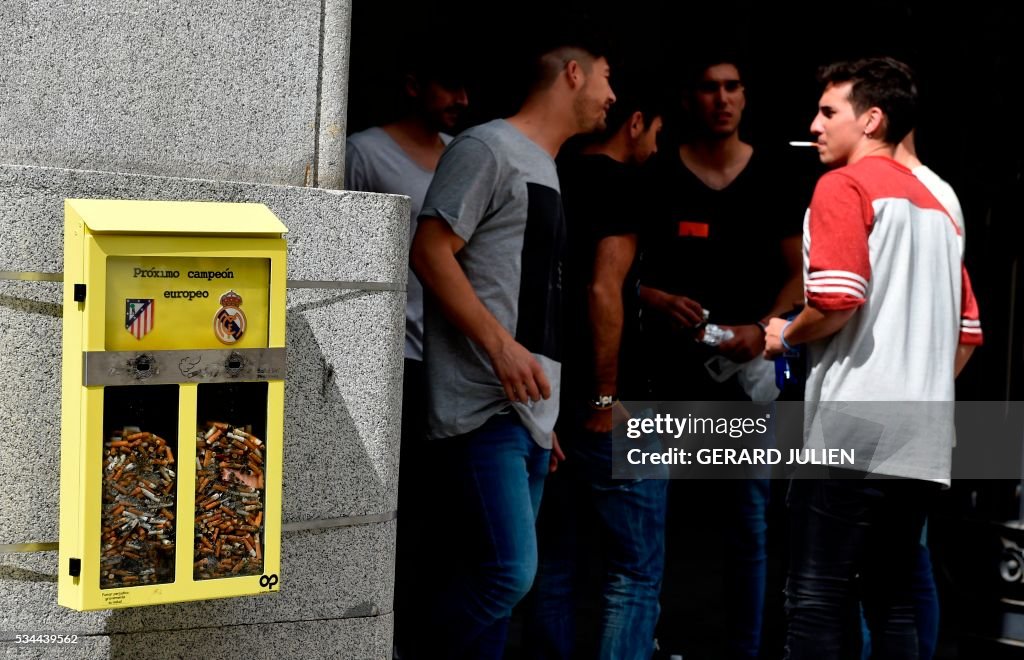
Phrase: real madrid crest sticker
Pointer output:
(229, 321)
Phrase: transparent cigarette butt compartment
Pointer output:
(172, 408)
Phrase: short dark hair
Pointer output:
(882, 82)
(633, 93)
(444, 64)
(547, 66)
(556, 47)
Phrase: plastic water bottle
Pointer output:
(785, 373)
(711, 333)
(715, 335)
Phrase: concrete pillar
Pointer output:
(242, 100)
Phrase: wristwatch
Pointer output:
(603, 401)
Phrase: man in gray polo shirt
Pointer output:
(488, 251)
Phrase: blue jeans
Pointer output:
(747, 553)
(845, 531)
(499, 473)
(630, 515)
(738, 508)
(926, 605)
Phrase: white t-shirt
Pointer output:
(876, 240)
(944, 193)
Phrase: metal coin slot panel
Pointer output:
(169, 367)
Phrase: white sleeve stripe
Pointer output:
(972, 331)
(835, 289)
(970, 323)
(839, 273)
(839, 281)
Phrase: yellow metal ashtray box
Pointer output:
(172, 409)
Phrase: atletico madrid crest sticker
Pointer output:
(138, 316)
(229, 321)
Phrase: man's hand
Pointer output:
(433, 259)
(519, 372)
(557, 455)
(602, 420)
(599, 420)
(773, 347)
(684, 312)
(746, 345)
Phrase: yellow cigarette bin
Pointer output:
(172, 407)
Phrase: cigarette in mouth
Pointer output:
(797, 143)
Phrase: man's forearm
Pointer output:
(650, 296)
(792, 292)
(442, 277)
(812, 324)
(791, 295)
(606, 317)
(963, 354)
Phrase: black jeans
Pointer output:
(853, 541)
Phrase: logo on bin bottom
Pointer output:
(269, 581)
(229, 321)
(138, 316)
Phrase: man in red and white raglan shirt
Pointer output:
(890, 318)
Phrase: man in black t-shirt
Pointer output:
(724, 242)
(601, 197)
(724, 237)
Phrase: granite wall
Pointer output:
(241, 100)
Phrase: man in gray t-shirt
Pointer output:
(400, 158)
(498, 191)
(488, 252)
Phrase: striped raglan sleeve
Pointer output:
(838, 267)
(970, 318)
